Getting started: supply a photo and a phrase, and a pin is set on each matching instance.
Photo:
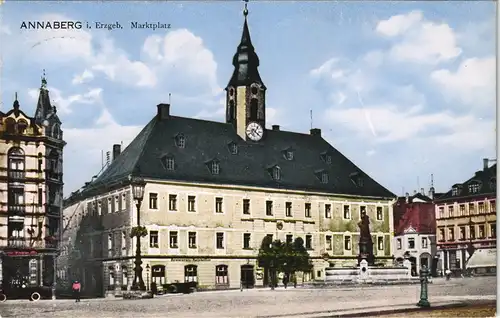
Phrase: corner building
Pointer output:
(31, 153)
(215, 189)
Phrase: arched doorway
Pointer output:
(425, 260)
(247, 276)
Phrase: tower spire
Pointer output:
(44, 80)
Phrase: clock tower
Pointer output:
(245, 92)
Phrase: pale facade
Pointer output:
(422, 247)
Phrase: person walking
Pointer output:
(76, 290)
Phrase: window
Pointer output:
(153, 239)
(324, 177)
(109, 205)
(411, 243)
(173, 239)
(246, 240)
(110, 242)
(474, 187)
(170, 163)
(191, 203)
(190, 273)
(180, 141)
(362, 209)
(493, 184)
(40, 196)
(218, 205)
(493, 230)
(124, 201)
(246, 206)
(116, 204)
(328, 243)
(424, 242)
(40, 162)
(450, 211)
(441, 212)
(472, 232)
(480, 207)
(99, 207)
(472, 208)
(493, 206)
(289, 154)
(270, 236)
(347, 212)
(451, 234)
(172, 202)
(398, 241)
(347, 243)
(214, 167)
(461, 210)
(124, 240)
(328, 159)
(462, 233)
(307, 210)
(380, 213)
(221, 275)
(269, 208)
(455, 191)
(328, 211)
(288, 209)
(289, 239)
(277, 173)
(481, 231)
(219, 237)
(233, 148)
(309, 241)
(441, 234)
(192, 239)
(153, 201)
(380, 243)
(253, 108)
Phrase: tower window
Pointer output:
(254, 90)
(231, 91)
(231, 110)
(180, 141)
(254, 109)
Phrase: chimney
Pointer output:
(422, 191)
(407, 197)
(485, 164)
(163, 111)
(414, 192)
(117, 149)
(276, 127)
(316, 132)
(431, 193)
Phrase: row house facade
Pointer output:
(31, 150)
(466, 219)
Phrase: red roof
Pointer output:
(418, 215)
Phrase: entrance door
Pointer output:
(247, 276)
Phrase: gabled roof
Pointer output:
(486, 179)
(206, 140)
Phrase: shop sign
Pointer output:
(21, 253)
(190, 259)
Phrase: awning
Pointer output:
(483, 258)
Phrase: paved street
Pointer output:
(255, 303)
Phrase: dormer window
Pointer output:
(21, 126)
(288, 154)
(357, 179)
(493, 184)
(233, 148)
(474, 187)
(326, 157)
(324, 177)
(168, 162)
(180, 141)
(456, 189)
(276, 173)
(214, 167)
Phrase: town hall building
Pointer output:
(215, 190)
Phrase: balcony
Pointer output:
(16, 209)
(19, 242)
(15, 175)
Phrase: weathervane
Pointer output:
(245, 11)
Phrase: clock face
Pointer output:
(255, 131)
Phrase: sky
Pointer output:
(403, 89)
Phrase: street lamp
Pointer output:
(147, 277)
(138, 185)
(470, 248)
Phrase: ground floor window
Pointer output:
(190, 273)
(221, 275)
(158, 274)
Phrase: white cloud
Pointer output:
(182, 50)
(473, 83)
(393, 125)
(374, 58)
(64, 104)
(421, 41)
(325, 68)
(82, 78)
(399, 24)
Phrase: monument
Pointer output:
(365, 241)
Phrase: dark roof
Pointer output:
(206, 141)
(417, 195)
(486, 179)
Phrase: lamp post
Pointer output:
(147, 277)
(138, 185)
